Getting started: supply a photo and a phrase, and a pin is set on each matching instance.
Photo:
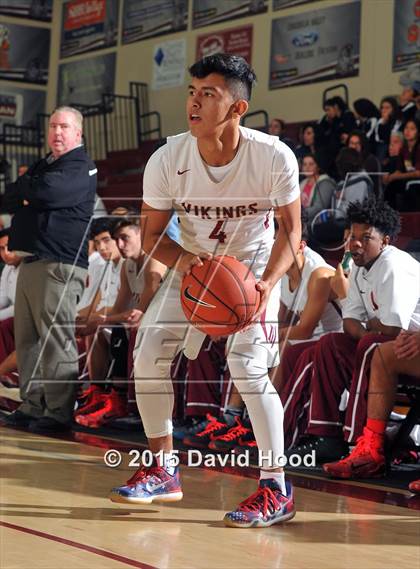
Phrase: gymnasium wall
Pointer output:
(134, 63)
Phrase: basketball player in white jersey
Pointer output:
(226, 183)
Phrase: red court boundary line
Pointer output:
(82, 546)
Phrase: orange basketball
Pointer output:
(220, 297)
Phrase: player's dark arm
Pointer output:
(354, 328)
(319, 290)
(375, 325)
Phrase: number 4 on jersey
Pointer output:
(217, 233)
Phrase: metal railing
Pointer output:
(261, 125)
(150, 124)
(121, 122)
(339, 86)
(21, 147)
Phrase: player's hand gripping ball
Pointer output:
(219, 298)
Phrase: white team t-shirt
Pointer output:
(389, 291)
(232, 216)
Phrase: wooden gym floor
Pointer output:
(55, 514)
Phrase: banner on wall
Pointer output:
(319, 45)
(83, 82)
(88, 25)
(31, 9)
(279, 4)
(149, 18)
(406, 49)
(169, 64)
(237, 41)
(24, 53)
(20, 106)
(207, 12)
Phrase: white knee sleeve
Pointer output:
(155, 350)
(248, 368)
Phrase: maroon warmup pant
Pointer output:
(339, 363)
(7, 338)
(293, 382)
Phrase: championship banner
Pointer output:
(20, 106)
(280, 4)
(318, 45)
(88, 25)
(83, 82)
(406, 49)
(237, 41)
(207, 12)
(149, 18)
(30, 9)
(24, 53)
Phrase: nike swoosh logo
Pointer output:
(188, 295)
(180, 172)
(150, 487)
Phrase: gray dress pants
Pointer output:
(47, 294)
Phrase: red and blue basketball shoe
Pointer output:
(147, 485)
(267, 506)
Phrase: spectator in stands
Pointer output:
(317, 189)
(139, 279)
(396, 142)
(408, 169)
(52, 205)
(277, 128)
(367, 459)
(408, 101)
(307, 142)
(355, 184)
(375, 311)
(388, 123)
(333, 130)
(370, 163)
(367, 115)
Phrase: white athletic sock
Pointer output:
(277, 476)
(167, 460)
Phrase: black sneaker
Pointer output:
(228, 441)
(327, 449)
(48, 426)
(18, 419)
(212, 428)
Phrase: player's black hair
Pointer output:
(102, 224)
(376, 213)
(237, 73)
(125, 222)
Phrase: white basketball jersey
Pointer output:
(235, 215)
(295, 301)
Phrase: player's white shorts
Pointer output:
(165, 311)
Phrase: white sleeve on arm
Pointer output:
(285, 176)
(4, 298)
(353, 306)
(398, 295)
(156, 181)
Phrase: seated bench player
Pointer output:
(309, 308)
(367, 459)
(140, 277)
(383, 299)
